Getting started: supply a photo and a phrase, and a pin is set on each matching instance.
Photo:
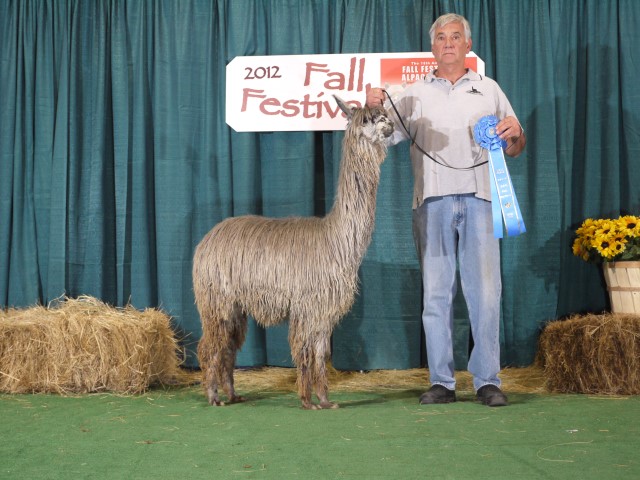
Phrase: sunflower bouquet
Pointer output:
(608, 240)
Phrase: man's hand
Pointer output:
(509, 130)
(375, 97)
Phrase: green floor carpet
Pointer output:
(174, 434)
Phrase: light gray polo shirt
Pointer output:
(440, 117)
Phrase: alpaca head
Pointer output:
(371, 123)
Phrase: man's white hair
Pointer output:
(445, 20)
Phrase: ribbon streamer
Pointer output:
(504, 203)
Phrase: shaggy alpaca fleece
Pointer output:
(303, 269)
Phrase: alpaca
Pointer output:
(301, 268)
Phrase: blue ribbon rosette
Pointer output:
(504, 203)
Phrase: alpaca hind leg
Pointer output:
(221, 339)
(225, 380)
(238, 331)
(210, 364)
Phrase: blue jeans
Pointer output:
(452, 231)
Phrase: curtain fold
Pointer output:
(115, 159)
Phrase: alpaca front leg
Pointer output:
(304, 388)
(310, 351)
(300, 353)
(314, 376)
(321, 385)
(320, 379)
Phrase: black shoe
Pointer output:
(437, 394)
(492, 396)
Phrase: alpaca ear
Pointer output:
(348, 110)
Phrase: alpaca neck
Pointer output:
(354, 209)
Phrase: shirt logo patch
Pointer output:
(473, 91)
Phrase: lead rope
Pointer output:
(413, 142)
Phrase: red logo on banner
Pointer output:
(404, 71)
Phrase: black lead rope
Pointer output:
(413, 142)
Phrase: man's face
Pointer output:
(450, 46)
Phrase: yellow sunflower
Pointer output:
(606, 249)
(630, 224)
(608, 240)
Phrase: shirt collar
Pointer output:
(470, 75)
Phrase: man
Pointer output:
(452, 216)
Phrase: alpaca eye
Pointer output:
(373, 118)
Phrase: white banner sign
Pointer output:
(294, 92)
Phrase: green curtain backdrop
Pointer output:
(115, 158)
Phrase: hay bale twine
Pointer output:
(592, 354)
(83, 345)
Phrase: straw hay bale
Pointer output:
(592, 354)
(83, 345)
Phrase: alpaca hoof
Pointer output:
(321, 406)
(216, 402)
(213, 397)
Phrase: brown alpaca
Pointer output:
(301, 268)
